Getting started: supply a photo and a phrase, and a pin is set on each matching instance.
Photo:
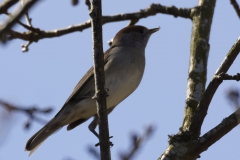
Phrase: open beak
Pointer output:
(151, 31)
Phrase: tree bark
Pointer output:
(181, 146)
(100, 93)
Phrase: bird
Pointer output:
(124, 64)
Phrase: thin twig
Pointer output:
(30, 28)
(87, 2)
(11, 21)
(137, 142)
(28, 19)
(133, 22)
(224, 76)
(75, 2)
(5, 5)
(236, 7)
(218, 132)
(29, 111)
(25, 46)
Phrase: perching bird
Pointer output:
(124, 66)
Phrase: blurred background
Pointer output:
(46, 75)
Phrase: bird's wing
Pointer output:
(85, 87)
(83, 84)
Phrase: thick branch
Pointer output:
(5, 5)
(197, 74)
(152, 10)
(218, 132)
(11, 21)
(180, 145)
(100, 94)
(192, 149)
(236, 7)
(213, 85)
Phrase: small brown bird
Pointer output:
(124, 67)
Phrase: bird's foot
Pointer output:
(110, 143)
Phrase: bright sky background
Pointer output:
(47, 74)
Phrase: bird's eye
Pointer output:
(141, 31)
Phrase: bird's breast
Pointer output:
(122, 77)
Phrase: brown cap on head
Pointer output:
(142, 34)
(131, 29)
(136, 28)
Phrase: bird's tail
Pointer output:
(37, 139)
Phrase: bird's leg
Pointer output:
(92, 126)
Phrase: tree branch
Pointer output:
(88, 4)
(74, 2)
(230, 57)
(218, 132)
(213, 85)
(181, 145)
(137, 142)
(236, 7)
(40, 34)
(29, 111)
(11, 21)
(196, 147)
(100, 94)
(224, 76)
(197, 73)
(5, 5)
(152, 10)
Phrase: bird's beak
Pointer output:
(151, 31)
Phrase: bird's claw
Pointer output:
(110, 143)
